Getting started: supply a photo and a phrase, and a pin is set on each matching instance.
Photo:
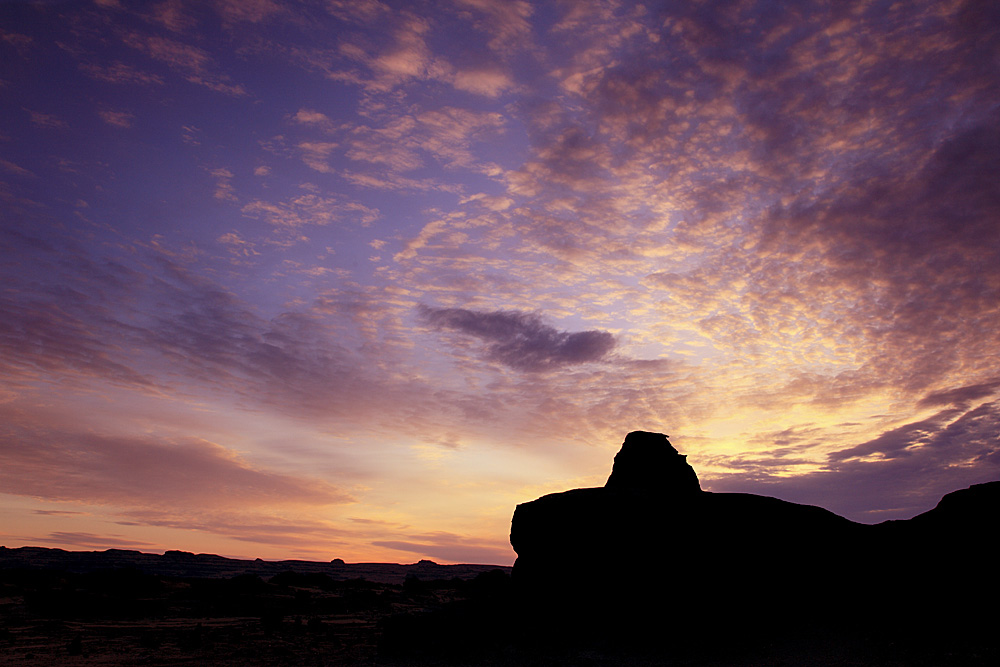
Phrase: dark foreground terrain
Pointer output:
(126, 608)
(67, 609)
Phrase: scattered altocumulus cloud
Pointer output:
(351, 279)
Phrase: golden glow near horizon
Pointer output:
(352, 279)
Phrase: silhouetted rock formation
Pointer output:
(648, 463)
(651, 557)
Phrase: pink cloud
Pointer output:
(122, 119)
(121, 73)
(146, 471)
(83, 541)
(491, 83)
(443, 546)
(192, 62)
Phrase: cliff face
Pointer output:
(651, 550)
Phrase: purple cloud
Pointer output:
(522, 340)
(960, 395)
(898, 474)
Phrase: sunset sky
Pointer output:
(352, 278)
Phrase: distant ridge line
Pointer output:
(186, 564)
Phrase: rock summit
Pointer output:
(648, 463)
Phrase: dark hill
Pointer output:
(651, 559)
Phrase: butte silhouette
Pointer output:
(651, 558)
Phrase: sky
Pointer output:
(353, 278)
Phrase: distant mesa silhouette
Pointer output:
(651, 557)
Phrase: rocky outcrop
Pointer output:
(650, 552)
(648, 463)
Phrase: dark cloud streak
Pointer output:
(522, 341)
(960, 395)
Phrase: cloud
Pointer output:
(489, 82)
(399, 48)
(240, 249)
(122, 119)
(93, 541)
(406, 143)
(918, 254)
(121, 73)
(898, 474)
(144, 471)
(310, 116)
(12, 168)
(195, 64)
(40, 119)
(406, 57)
(256, 525)
(899, 441)
(224, 188)
(394, 182)
(316, 154)
(448, 133)
(207, 334)
(249, 11)
(40, 337)
(507, 23)
(363, 11)
(778, 208)
(338, 358)
(173, 15)
(444, 546)
(20, 42)
(960, 395)
(309, 210)
(777, 226)
(522, 340)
